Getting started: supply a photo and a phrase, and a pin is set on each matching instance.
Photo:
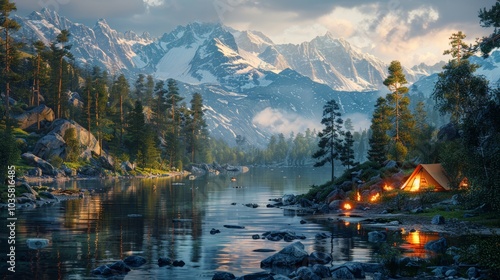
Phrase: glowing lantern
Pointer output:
(347, 206)
(358, 197)
(375, 197)
(388, 188)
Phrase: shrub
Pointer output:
(56, 161)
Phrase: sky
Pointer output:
(409, 31)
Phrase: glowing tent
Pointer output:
(427, 175)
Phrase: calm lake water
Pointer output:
(129, 217)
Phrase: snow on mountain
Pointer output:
(331, 61)
(250, 86)
(100, 45)
(425, 70)
(489, 68)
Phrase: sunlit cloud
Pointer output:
(154, 3)
(279, 121)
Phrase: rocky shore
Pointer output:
(294, 262)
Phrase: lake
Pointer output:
(132, 217)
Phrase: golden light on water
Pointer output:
(414, 238)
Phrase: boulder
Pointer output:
(472, 272)
(29, 118)
(127, 166)
(288, 199)
(106, 161)
(120, 267)
(322, 271)
(294, 255)
(163, 261)
(264, 275)
(47, 168)
(36, 172)
(103, 270)
(336, 194)
(319, 258)
(25, 188)
(222, 275)
(53, 143)
(307, 273)
(438, 220)
(134, 261)
(342, 272)
(438, 246)
(377, 236)
(335, 204)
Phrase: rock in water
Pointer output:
(134, 261)
(291, 256)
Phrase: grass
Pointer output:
(75, 165)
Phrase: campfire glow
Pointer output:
(388, 188)
(375, 197)
(347, 206)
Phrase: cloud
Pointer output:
(279, 121)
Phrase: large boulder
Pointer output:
(29, 118)
(293, 255)
(47, 168)
(53, 143)
(438, 246)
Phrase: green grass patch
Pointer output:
(19, 133)
(76, 164)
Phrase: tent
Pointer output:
(429, 175)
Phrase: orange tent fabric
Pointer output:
(427, 175)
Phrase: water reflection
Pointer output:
(165, 217)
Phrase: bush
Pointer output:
(483, 250)
(56, 161)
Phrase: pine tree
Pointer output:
(119, 99)
(135, 130)
(9, 152)
(8, 51)
(490, 18)
(140, 88)
(402, 117)
(459, 49)
(72, 149)
(347, 152)
(148, 152)
(149, 88)
(160, 107)
(39, 74)
(379, 139)
(60, 50)
(330, 142)
(172, 100)
(458, 90)
(197, 134)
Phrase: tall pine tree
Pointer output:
(330, 142)
(379, 139)
(8, 50)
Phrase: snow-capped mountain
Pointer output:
(489, 68)
(250, 85)
(99, 45)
